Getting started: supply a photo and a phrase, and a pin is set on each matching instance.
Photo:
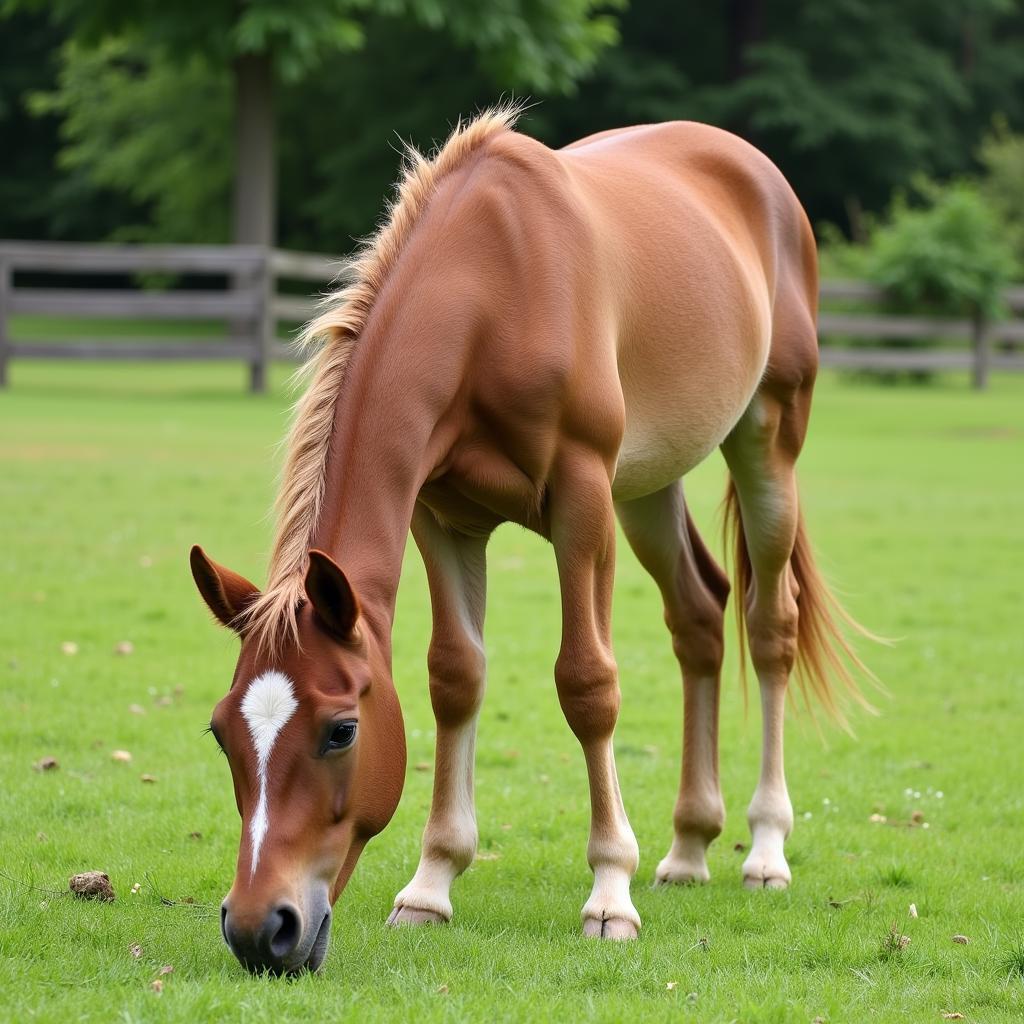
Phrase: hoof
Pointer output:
(616, 928)
(677, 873)
(411, 916)
(765, 882)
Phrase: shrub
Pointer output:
(949, 256)
(1002, 184)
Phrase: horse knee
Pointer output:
(588, 691)
(457, 669)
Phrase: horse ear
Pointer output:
(226, 593)
(331, 595)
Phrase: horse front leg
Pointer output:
(583, 534)
(456, 574)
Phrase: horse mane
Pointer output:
(329, 339)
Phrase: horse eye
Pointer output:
(342, 736)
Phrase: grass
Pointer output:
(915, 499)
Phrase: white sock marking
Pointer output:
(268, 704)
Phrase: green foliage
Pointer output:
(155, 131)
(534, 44)
(1002, 184)
(851, 98)
(948, 256)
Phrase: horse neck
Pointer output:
(385, 442)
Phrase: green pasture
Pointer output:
(915, 499)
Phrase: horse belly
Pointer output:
(682, 398)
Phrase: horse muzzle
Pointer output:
(282, 940)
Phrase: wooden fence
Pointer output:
(978, 345)
(244, 292)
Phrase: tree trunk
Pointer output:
(255, 207)
(745, 24)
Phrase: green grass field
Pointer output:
(915, 499)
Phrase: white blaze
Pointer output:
(268, 704)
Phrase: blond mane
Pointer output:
(331, 334)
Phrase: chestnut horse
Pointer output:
(551, 338)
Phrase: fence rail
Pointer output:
(241, 294)
(977, 336)
(245, 296)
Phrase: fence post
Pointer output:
(5, 287)
(981, 345)
(264, 327)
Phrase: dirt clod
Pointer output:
(92, 885)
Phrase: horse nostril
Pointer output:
(285, 938)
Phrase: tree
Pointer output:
(541, 44)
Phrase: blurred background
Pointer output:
(277, 121)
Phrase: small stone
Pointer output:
(46, 764)
(961, 940)
(92, 885)
(120, 755)
(69, 647)
(147, 778)
(124, 647)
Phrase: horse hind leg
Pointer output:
(761, 453)
(694, 590)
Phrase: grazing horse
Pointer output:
(551, 338)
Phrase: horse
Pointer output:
(552, 338)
